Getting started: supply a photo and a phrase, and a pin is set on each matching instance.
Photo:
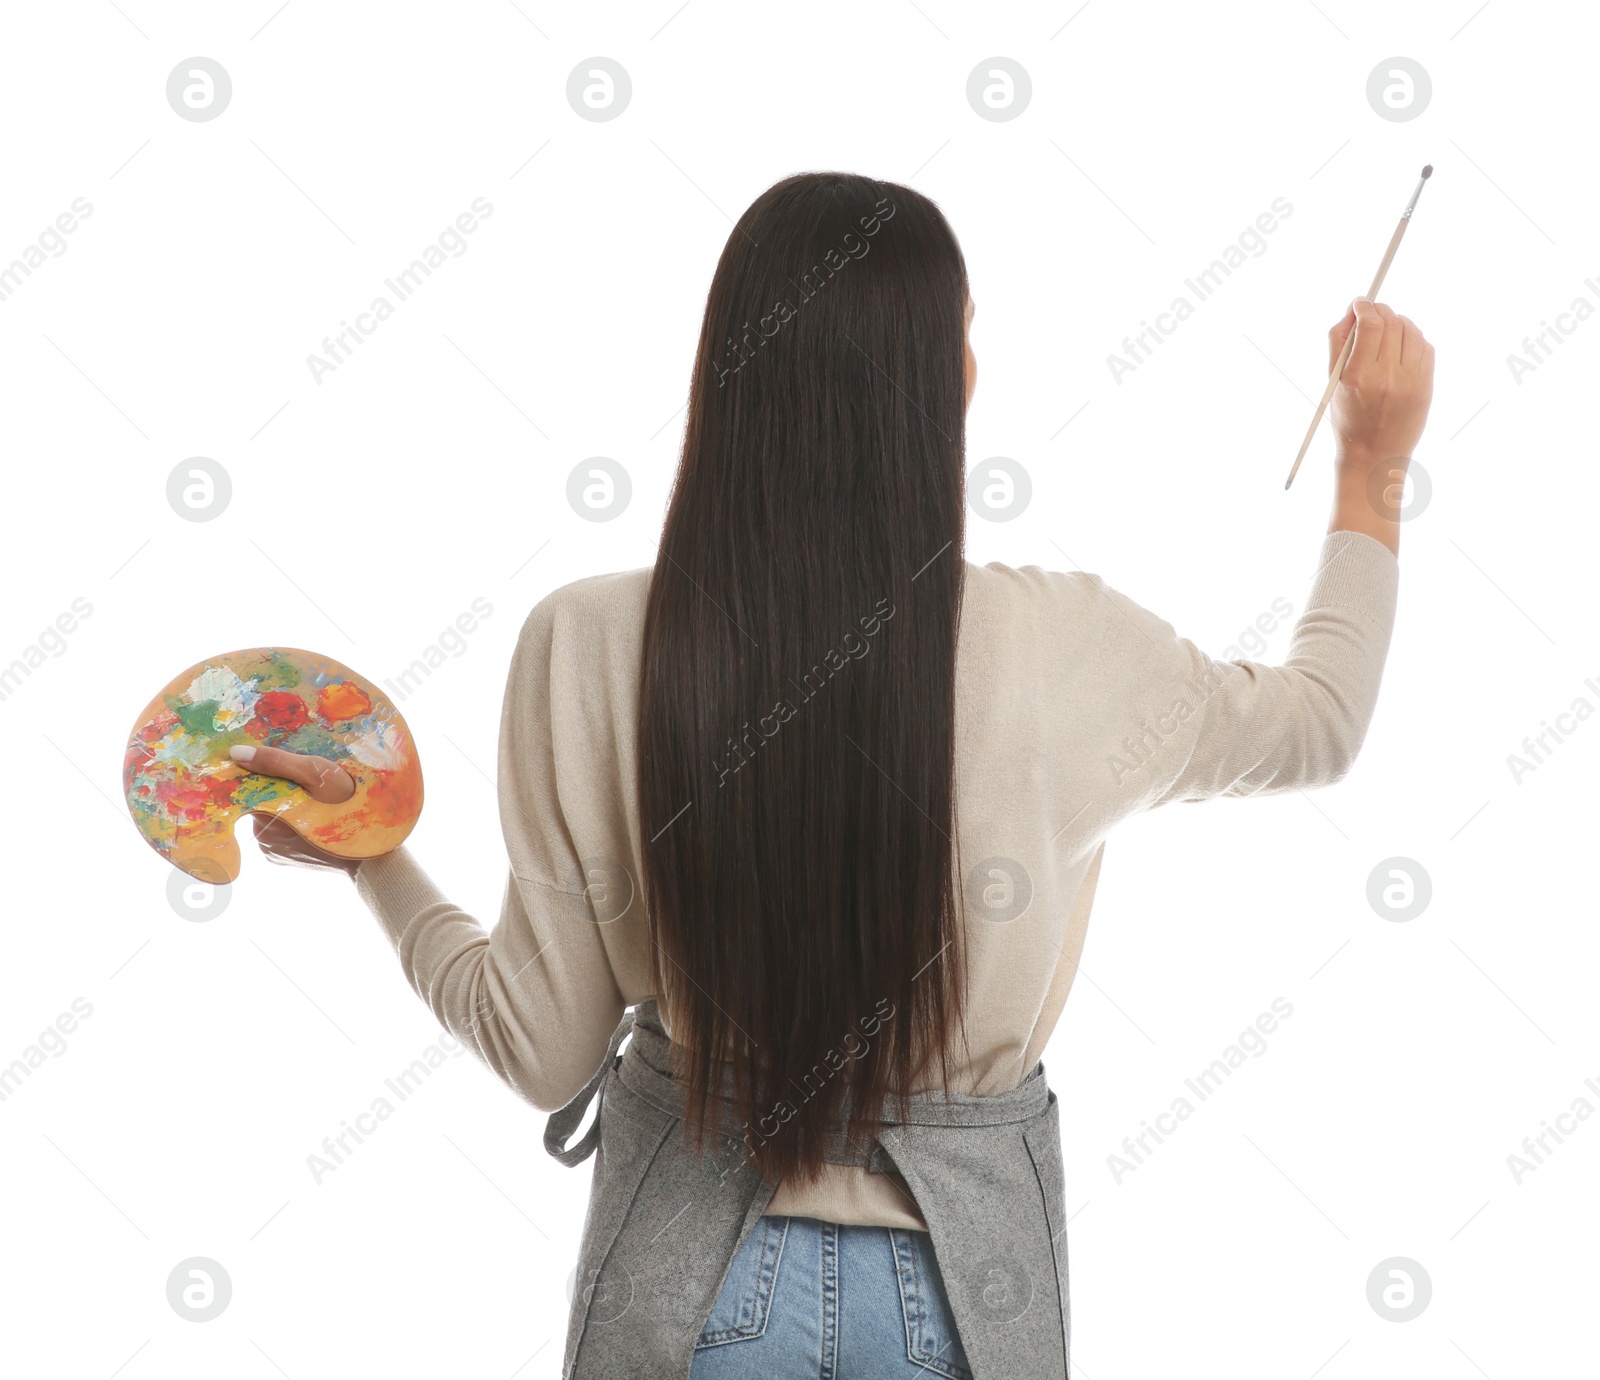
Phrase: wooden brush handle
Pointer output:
(1344, 354)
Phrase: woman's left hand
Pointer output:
(324, 780)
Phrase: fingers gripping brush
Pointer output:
(1350, 340)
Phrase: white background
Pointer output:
(372, 508)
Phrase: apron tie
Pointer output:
(559, 1127)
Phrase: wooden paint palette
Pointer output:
(186, 793)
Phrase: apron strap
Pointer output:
(559, 1127)
(647, 1075)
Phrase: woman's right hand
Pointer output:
(1381, 403)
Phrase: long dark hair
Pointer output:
(796, 746)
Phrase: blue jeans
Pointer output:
(810, 1300)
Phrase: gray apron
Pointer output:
(664, 1225)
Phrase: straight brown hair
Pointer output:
(796, 725)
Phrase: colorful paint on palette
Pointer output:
(186, 793)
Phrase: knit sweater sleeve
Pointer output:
(1189, 727)
(536, 998)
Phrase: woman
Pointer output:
(815, 808)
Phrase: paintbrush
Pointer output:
(1350, 340)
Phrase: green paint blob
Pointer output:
(200, 719)
(281, 674)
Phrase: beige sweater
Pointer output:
(1075, 708)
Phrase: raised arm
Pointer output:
(1196, 727)
(1187, 727)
